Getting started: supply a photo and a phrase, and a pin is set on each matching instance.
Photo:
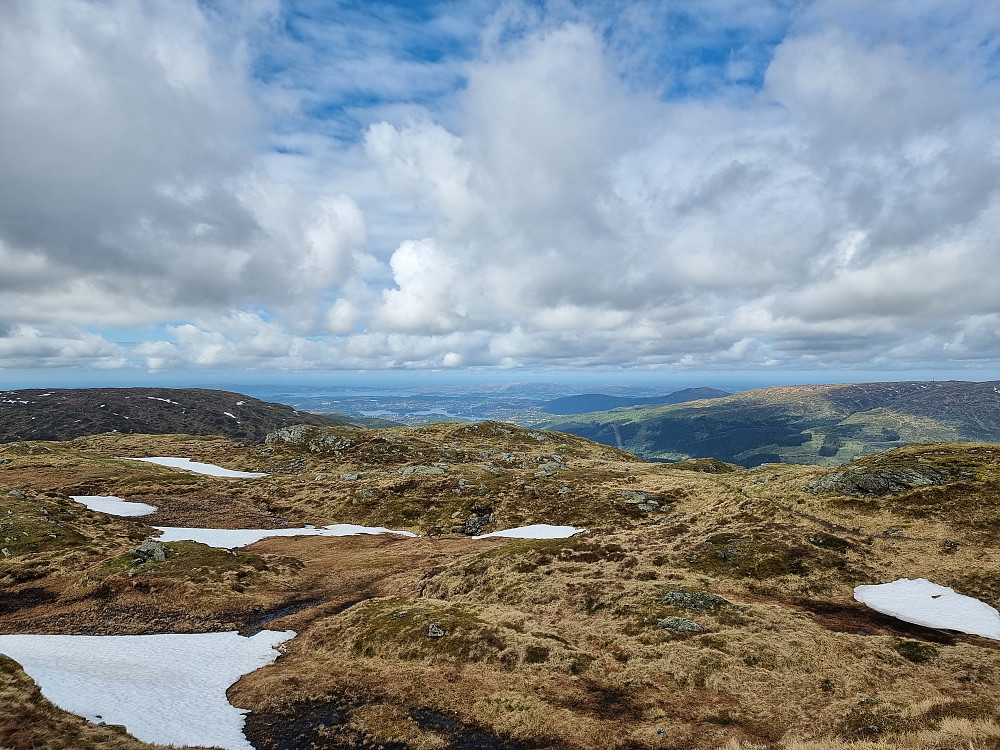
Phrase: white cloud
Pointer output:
(573, 191)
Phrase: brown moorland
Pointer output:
(561, 643)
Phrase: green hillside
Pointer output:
(811, 424)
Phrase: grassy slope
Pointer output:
(824, 425)
(550, 643)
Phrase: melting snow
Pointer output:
(114, 506)
(165, 689)
(240, 403)
(924, 603)
(164, 400)
(198, 467)
(231, 538)
(536, 531)
(229, 414)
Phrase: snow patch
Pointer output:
(240, 403)
(536, 531)
(114, 506)
(164, 400)
(228, 414)
(166, 689)
(232, 538)
(198, 467)
(931, 605)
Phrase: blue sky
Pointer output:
(765, 190)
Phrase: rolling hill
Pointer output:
(67, 413)
(587, 402)
(810, 424)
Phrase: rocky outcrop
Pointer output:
(876, 481)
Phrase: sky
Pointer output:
(262, 190)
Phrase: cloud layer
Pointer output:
(725, 184)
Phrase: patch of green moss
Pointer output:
(536, 654)
(191, 561)
(873, 718)
(827, 541)
(397, 628)
(973, 709)
(27, 529)
(747, 557)
(915, 651)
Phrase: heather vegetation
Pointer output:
(708, 605)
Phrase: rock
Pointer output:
(315, 439)
(406, 470)
(6, 552)
(695, 601)
(875, 482)
(436, 631)
(679, 625)
(634, 497)
(18, 494)
(150, 549)
(349, 477)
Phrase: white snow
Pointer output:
(536, 531)
(924, 603)
(197, 467)
(164, 400)
(114, 506)
(165, 689)
(229, 414)
(240, 403)
(232, 538)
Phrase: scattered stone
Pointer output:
(18, 494)
(634, 497)
(349, 477)
(423, 470)
(436, 631)
(6, 552)
(679, 625)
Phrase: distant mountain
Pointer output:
(812, 424)
(67, 413)
(588, 402)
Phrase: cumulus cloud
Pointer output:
(550, 185)
(131, 188)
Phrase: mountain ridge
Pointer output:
(806, 424)
(68, 413)
(588, 402)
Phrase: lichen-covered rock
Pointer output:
(315, 439)
(875, 481)
(150, 549)
(679, 625)
(695, 601)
